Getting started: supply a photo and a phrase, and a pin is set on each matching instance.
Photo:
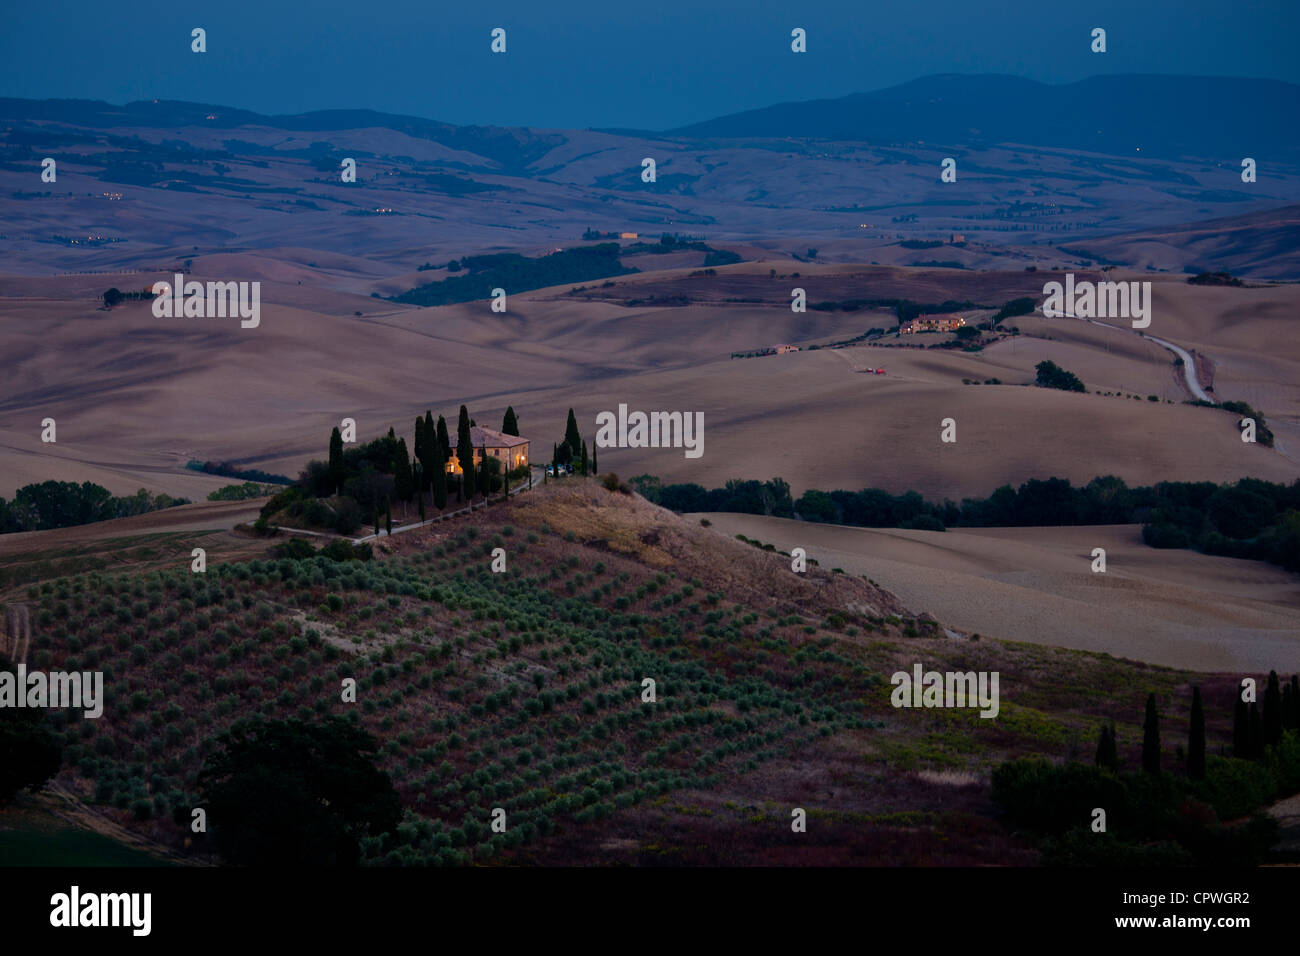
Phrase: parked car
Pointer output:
(550, 471)
(568, 469)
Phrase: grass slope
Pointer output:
(523, 690)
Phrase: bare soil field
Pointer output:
(1175, 608)
(135, 397)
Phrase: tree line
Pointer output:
(62, 504)
(516, 273)
(1150, 815)
(1249, 518)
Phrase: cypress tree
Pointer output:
(1295, 702)
(1256, 732)
(465, 453)
(555, 454)
(594, 469)
(439, 477)
(376, 521)
(1151, 738)
(425, 440)
(403, 480)
(1107, 756)
(584, 457)
(421, 497)
(1273, 711)
(1196, 739)
(336, 461)
(444, 439)
(572, 437)
(388, 514)
(510, 424)
(1241, 729)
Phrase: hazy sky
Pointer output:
(579, 63)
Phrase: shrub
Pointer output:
(1050, 798)
(294, 549)
(1051, 375)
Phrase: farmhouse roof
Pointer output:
(491, 438)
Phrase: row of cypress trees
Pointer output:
(573, 450)
(426, 472)
(1253, 728)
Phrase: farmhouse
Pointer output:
(510, 449)
(933, 323)
(782, 349)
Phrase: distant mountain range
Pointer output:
(1220, 118)
(1167, 116)
(1133, 170)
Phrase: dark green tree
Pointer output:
(510, 424)
(572, 437)
(388, 515)
(430, 442)
(403, 479)
(336, 473)
(1107, 755)
(291, 793)
(594, 470)
(1256, 732)
(584, 457)
(30, 753)
(439, 477)
(421, 453)
(1241, 729)
(1273, 711)
(1196, 739)
(1288, 707)
(1151, 738)
(376, 522)
(444, 439)
(489, 474)
(465, 452)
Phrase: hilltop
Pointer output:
(523, 690)
(1161, 116)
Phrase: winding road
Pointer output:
(1189, 365)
